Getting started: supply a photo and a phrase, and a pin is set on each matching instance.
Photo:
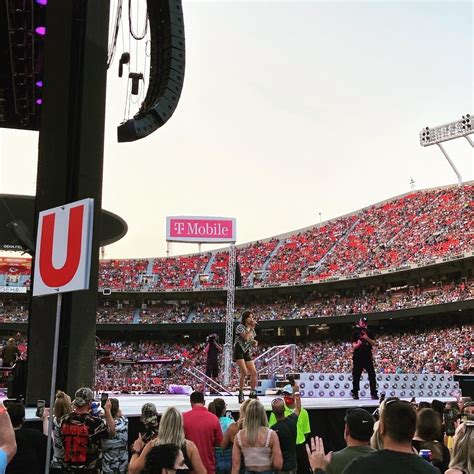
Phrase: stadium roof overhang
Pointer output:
(21, 208)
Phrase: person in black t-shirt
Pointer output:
(397, 427)
(10, 353)
(363, 340)
(81, 434)
(31, 444)
(286, 429)
(212, 349)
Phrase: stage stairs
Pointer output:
(207, 383)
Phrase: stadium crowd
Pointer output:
(417, 228)
(143, 366)
(315, 305)
(400, 437)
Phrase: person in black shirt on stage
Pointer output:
(212, 349)
(363, 340)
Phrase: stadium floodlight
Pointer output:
(449, 131)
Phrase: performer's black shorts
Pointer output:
(212, 370)
(240, 354)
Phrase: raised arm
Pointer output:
(7, 435)
(109, 420)
(366, 337)
(296, 394)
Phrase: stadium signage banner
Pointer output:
(200, 229)
(63, 248)
(13, 289)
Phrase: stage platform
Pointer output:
(131, 404)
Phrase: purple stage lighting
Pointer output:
(42, 2)
(39, 83)
(39, 101)
(41, 30)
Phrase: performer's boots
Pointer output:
(241, 397)
(375, 396)
(253, 394)
(354, 395)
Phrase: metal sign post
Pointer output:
(52, 395)
(64, 235)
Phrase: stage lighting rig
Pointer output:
(461, 128)
(22, 33)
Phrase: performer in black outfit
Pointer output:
(243, 344)
(363, 340)
(212, 349)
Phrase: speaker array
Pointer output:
(167, 64)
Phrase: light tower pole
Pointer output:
(449, 131)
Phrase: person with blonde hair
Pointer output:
(462, 458)
(234, 428)
(62, 406)
(171, 431)
(256, 443)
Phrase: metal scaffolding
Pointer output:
(229, 317)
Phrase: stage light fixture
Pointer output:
(39, 101)
(39, 83)
(40, 30)
(42, 2)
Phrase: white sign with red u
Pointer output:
(63, 248)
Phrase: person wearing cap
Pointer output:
(286, 429)
(81, 434)
(397, 427)
(363, 340)
(357, 432)
(303, 428)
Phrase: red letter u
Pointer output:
(55, 277)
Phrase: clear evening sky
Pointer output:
(288, 109)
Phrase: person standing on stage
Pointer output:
(212, 349)
(10, 353)
(363, 340)
(243, 344)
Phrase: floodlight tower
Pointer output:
(449, 131)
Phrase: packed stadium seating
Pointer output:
(165, 313)
(178, 272)
(417, 228)
(121, 274)
(317, 305)
(145, 365)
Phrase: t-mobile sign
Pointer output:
(200, 229)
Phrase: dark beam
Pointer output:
(70, 167)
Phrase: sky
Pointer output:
(289, 109)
